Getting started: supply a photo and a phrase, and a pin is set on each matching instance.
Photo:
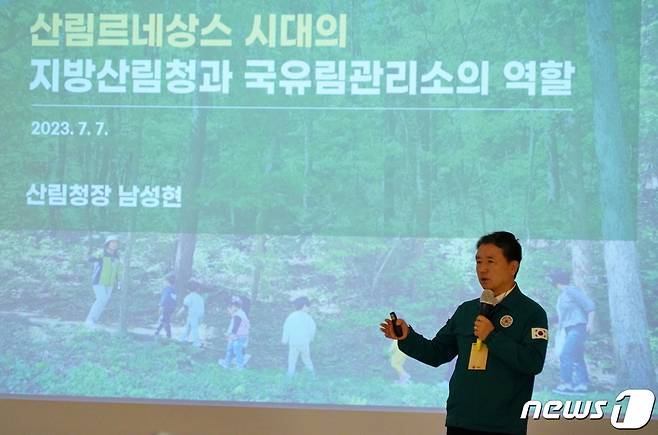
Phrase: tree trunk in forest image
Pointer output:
(308, 161)
(375, 291)
(125, 288)
(530, 186)
(126, 277)
(185, 247)
(189, 220)
(389, 132)
(258, 265)
(554, 176)
(193, 174)
(627, 313)
(583, 251)
(60, 175)
(582, 266)
(424, 173)
(54, 213)
(132, 171)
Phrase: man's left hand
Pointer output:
(482, 327)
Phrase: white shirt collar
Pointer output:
(501, 296)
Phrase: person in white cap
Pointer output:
(105, 277)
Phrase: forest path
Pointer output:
(208, 334)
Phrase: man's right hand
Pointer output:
(387, 329)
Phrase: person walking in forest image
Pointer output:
(298, 333)
(194, 304)
(575, 311)
(397, 358)
(167, 305)
(105, 276)
(237, 336)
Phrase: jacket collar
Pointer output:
(512, 298)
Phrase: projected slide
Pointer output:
(221, 201)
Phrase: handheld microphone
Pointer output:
(487, 303)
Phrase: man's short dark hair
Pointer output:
(506, 241)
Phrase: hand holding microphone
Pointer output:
(483, 326)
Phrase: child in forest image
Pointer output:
(105, 276)
(195, 307)
(167, 305)
(298, 332)
(397, 360)
(237, 335)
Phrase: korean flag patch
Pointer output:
(540, 334)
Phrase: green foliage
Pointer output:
(352, 282)
(347, 206)
(338, 173)
(98, 364)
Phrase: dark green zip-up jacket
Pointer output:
(488, 400)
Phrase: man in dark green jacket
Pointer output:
(494, 378)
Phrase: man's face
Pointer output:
(112, 245)
(494, 271)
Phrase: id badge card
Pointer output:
(478, 358)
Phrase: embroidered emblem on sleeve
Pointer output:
(540, 334)
(506, 321)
